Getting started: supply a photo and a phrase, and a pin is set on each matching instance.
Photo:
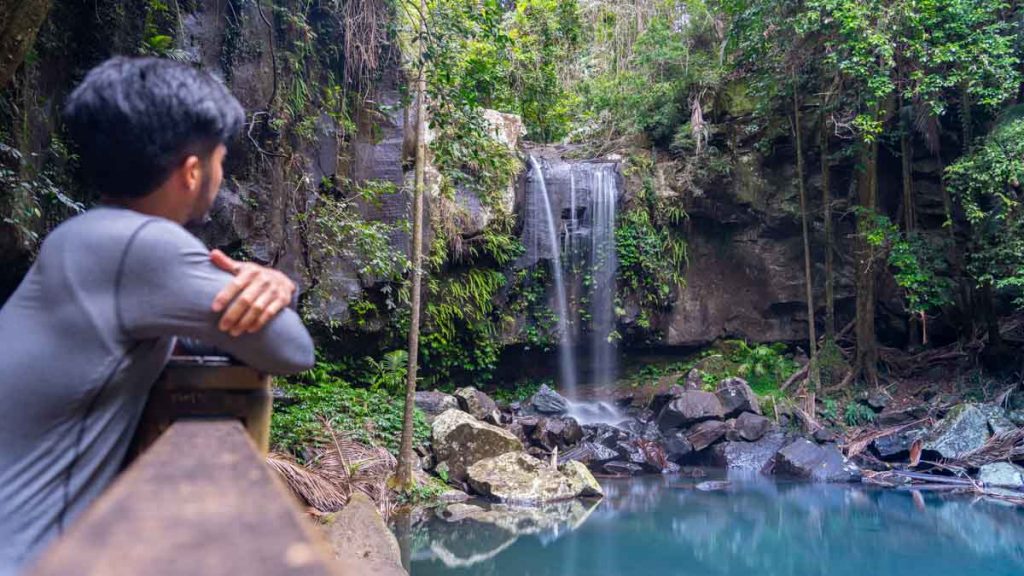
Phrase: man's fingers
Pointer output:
(241, 304)
(237, 284)
(224, 262)
(272, 309)
(252, 315)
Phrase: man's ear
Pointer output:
(191, 172)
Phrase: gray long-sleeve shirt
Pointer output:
(81, 342)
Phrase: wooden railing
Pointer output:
(198, 499)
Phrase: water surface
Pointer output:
(653, 526)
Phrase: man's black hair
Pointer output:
(135, 119)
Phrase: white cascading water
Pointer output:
(539, 195)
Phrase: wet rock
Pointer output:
(706, 433)
(751, 427)
(589, 453)
(902, 415)
(690, 408)
(583, 481)
(964, 428)
(434, 403)
(736, 397)
(619, 468)
(360, 538)
(896, 446)
(478, 404)
(998, 422)
(460, 440)
(824, 436)
(694, 380)
(805, 459)
(877, 399)
(547, 401)
(603, 434)
(518, 478)
(677, 447)
(747, 456)
(661, 398)
(1016, 417)
(557, 432)
(713, 485)
(1001, 474)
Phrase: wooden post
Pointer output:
(207, 387)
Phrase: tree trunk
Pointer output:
(812, 337)
(405, 453)
(906, 165)
(826, 205)
(867, 191)
(19, 22)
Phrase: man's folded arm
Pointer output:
(166, 286)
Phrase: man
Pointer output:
(93, 323)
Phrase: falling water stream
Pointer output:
(584, 240)
(566, 358)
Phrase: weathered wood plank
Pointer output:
(199, 502)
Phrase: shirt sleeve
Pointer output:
(166, 285)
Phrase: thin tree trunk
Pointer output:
(867, 187)
(405, 453)
(906, 157)
(826, 202)
(812, 337)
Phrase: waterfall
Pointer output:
(603, 263)
(539, 195)
(570, 221)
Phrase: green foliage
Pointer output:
(765, 367)
(426, 494)
(32, 202)
(830, 411)
(916, 264)
(857, 414)
(651, 252)
(987, 183)
(369, 415)
(389, 373)
(647, 79)
(522, 391)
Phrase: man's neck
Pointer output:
(156, 203)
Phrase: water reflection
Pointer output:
(753, 526)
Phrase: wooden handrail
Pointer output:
(199, 499)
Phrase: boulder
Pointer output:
(460, 441)
(476, 403)
(805, 459)
(895, 417)
(589, 453)
(547, 401)
(706, 433)
(585, 485)
(694, 380)
(824, 436)
(556, 432)
(518, 478)
(877, 399)
(434, 403)
(896, 446)
(690, 408)
(964, 428)
(603, 434)
(736, 397)
(619, 468)
(677, 447)
(1001, 474)
(998, 422)
(751, 427)
(361, 539)
(661, 398)
(747, 456)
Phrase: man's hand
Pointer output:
(255, 295)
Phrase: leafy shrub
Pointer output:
(857, 414)
(370, 416)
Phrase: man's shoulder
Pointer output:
(105, 228)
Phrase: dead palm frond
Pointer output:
(352, 466)
(311, 487)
